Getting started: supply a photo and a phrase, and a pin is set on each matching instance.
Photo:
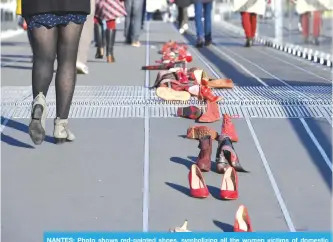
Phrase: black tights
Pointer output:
(47, 44)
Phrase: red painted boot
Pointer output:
(204, 157)
(212, 113)
(228, 128)
(190, 112)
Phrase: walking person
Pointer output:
(312, 9)
(85, 41)
(22, 23)
(182, 6)
(133, 22)
(249, 9)
(55, 28)
(107, 11)
(203, 9)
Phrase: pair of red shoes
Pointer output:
(199, 189)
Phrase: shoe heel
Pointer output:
(60, 140)
(36, 130)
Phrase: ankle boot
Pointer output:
(221, 162)
(212, 113)
(99, 41)
(110, 39)
(38, 118)
(61, 132)
(228, 151)
(248, 42)
(204, 157)
(228, 128)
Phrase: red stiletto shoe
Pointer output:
(198, 188)
(242, 220)
(229, 186)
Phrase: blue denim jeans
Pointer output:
(203, 10)
(133, 20)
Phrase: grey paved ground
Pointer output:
(130, 148)
(291, 34)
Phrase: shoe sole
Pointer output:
(220, 83)
(188, 112)
(199, 132)
(36, 130)
(172, 95)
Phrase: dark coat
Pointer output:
(33, 7)
(183, 3)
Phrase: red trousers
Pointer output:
(315, 24)
(249, 22)
(111, 24)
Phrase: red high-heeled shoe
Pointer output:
(242, 220)
(229, 186)
(198, 188)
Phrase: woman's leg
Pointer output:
(98, 29)
(208, 22)
(68, 43)
(44, 48)
(198, 23)
(305, 26)
(246, 22)
(253, 21)
(316, 15)
(180, 17)
(128, 21)
(110, 40)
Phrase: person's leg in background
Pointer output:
(65, 80)
(306, 26)
(246, 22)
(128, 21)
(185, 19)
(85, 41)
(180, 20)
(316, 15)
(143, 13)
(207, 8)
(44, 48)
(136, 22)
(198, 6)
(253, 21)
(110, 40)
(99, 35)
(149, 16)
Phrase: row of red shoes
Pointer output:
(242, 222)
(169, 85)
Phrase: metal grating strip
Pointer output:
(129, 101)
(170, 111)
(134, 95)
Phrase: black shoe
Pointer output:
(199, 44)
(306, 40)
(248, 42)
(208, 42)
(316, 41)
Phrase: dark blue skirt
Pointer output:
(50, 20)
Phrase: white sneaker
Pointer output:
(185, 27)
(181, 31)
(82, 68)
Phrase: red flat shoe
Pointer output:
(229, 186)
(198, 188)
(242, 220)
